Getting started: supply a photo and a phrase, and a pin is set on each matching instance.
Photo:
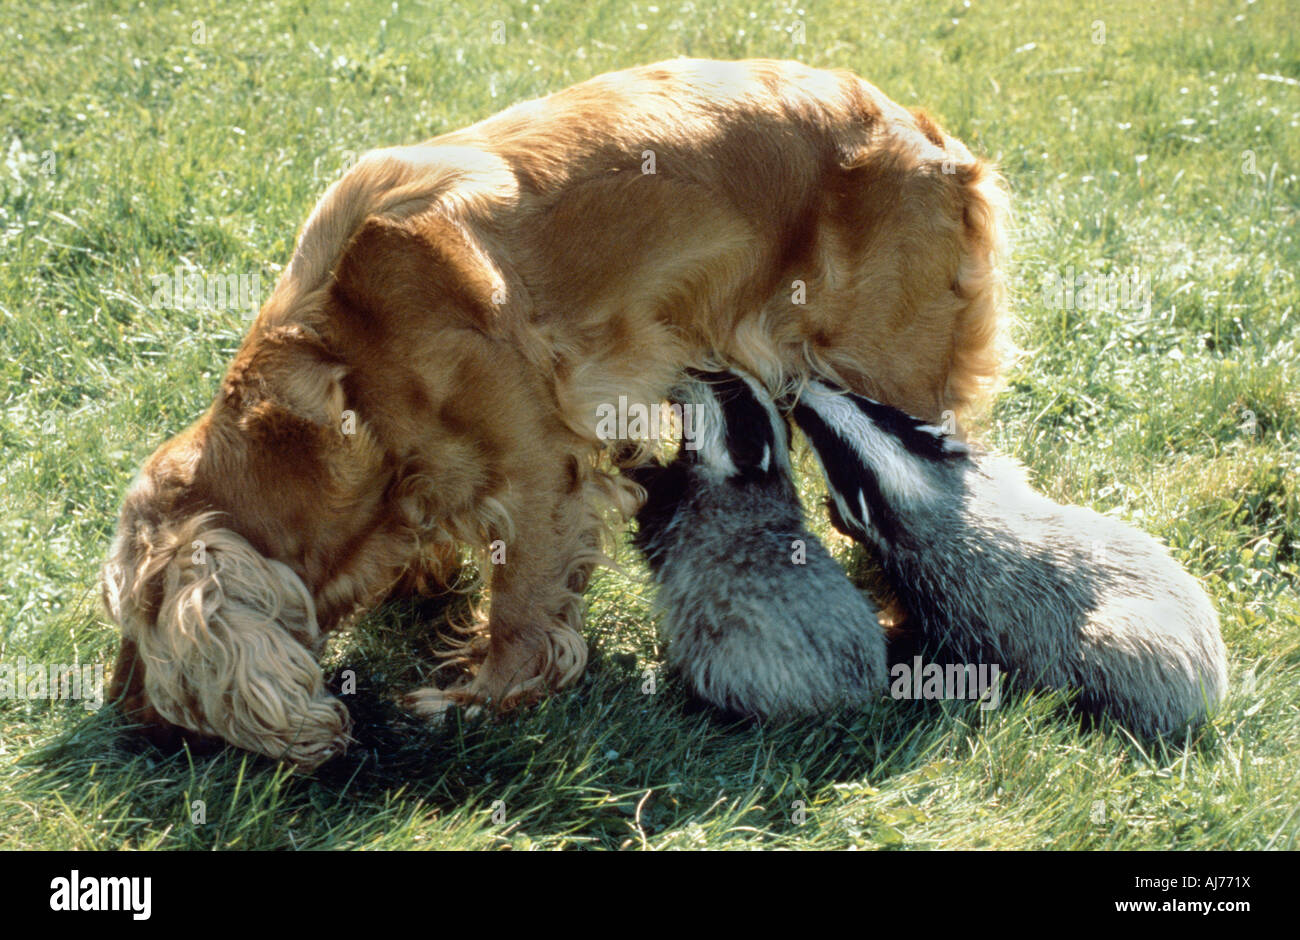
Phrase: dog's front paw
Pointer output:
(433, 704)
(477, 697)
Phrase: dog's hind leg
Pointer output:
(900, 295)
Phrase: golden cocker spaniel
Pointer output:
(428, 371)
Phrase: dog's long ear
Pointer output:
(225, 638)
(286, 382)
(437, 269)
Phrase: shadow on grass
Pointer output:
(586, 766)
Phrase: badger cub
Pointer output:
(758, 618)
(993, 571)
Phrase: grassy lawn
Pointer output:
(1157, 148)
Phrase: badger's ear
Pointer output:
(286, 380)
(666, 488)
(646, 474)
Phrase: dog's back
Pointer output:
(759, 618)
(760, 210)
(994, 571)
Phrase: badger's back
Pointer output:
(757, 615)
(989, 569)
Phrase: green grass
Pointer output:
(1170, 149)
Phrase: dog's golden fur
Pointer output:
(428, 370)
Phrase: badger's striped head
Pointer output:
(877, 459)
(731, 430)
(733, 436)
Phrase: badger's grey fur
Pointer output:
(759, 619)
(995, 572)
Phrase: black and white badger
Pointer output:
(758, 618)
(994, 572)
